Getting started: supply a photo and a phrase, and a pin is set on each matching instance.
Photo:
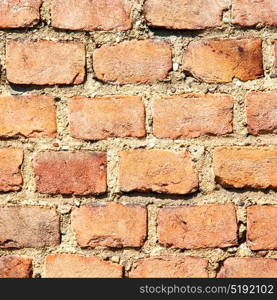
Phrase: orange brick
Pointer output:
(261, 227)
(76, 266)
(157, 171)
(107, 117)
(246, 167)
(45, 62)
(35, 116)
(251, 13)
(79, 173)
(192, 115)
(170, 267)
(91, 15)
(195, 227)
(19, 13)
(180, 14)
(248, 267)
(10, 174)
(112, 225)
(15, 267)
(133, 62)
(28, 227)
(261, 112)
(228, 59)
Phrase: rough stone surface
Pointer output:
(10, 174)
(91, 15)
(45, 62)
(195, 227)
(246, 167)
(15, 267)
(170, 267)
(248, 267)
(133, 62)
(107, 117)
(180, 14)
(251, 13)
(157, 171)
(80, 173)
(261, 109)
(19, 13)
(76, 266)
(28, 227)
(228, 59)
(113, 225)
(28, 116)
(261, 228)
(192, 115)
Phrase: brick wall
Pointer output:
(138, 138)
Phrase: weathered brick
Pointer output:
(79, 173)
(180, 14)
(170, 267)
(28, 227)
(261, 109)
(28, 116)
(76, 266)
(157, 171)
(195, 227)
(248, 267)
(10, 174)
(261, 227)
(192, 115)
(19, 13)
(133, 62)
(91, 15)
(15, 267)
(246, 167)
(251, 13)
(106, 117)
(112, 225)
(45, 62)
(228, 59)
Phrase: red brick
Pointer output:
(91, 15)
(261, 109)
(251, 13)
(133, 62)
(79, 173)
(35, 116)
(246, 167)
(157, 171)
(112, 225)
(45, 62)
(10, 174)
(15, 267)
(170, 267)
(228, 59)
(248, 267)
(192, 115)
(195, 227)
(262, 227)
(180, 14)
(107, 117)
(19, 13)
(28, 227)
(76, 266)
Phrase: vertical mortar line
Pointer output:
(239, 112)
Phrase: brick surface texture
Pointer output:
(19, 13)
(138, 138)
(76, 266)
(113, 225)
